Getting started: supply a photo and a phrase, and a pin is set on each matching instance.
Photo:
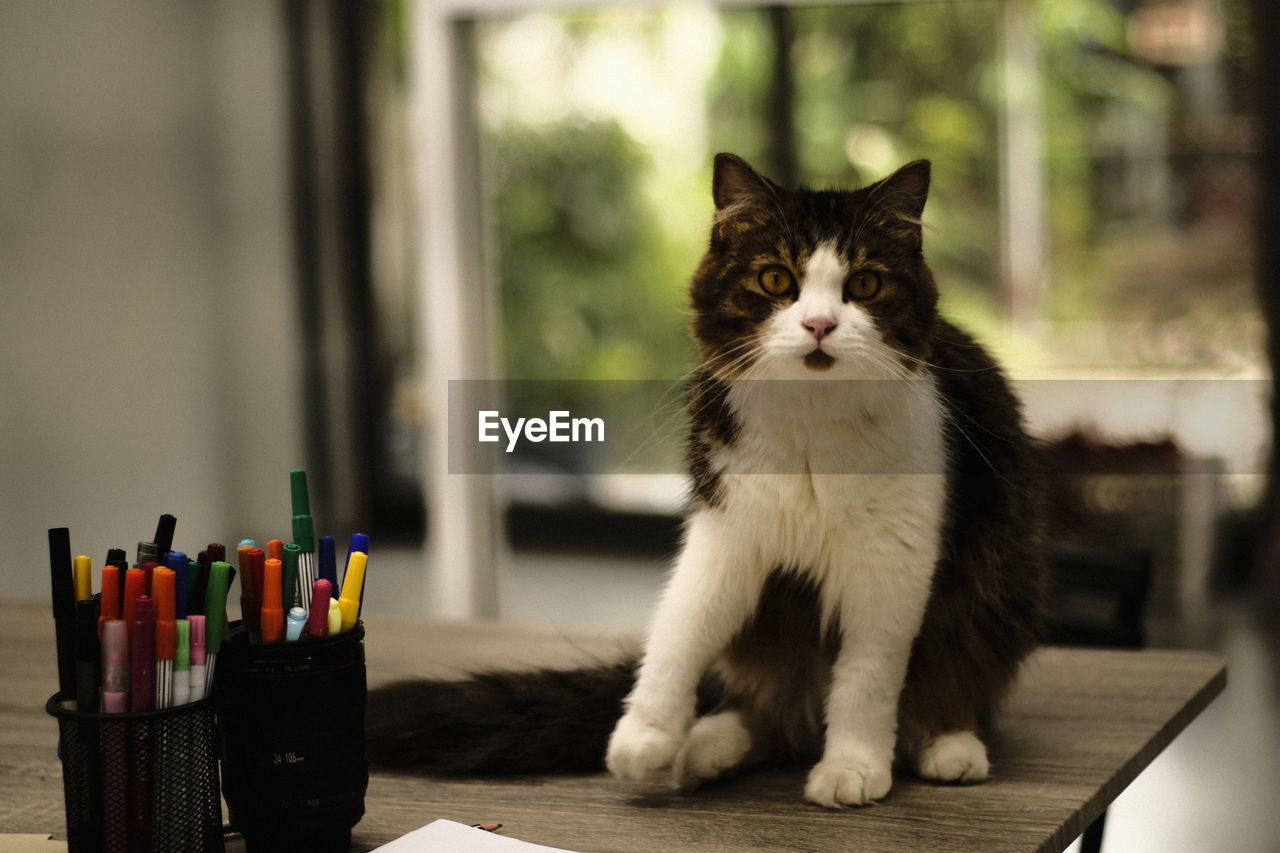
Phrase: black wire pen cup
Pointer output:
(140, 782)
(291, 716)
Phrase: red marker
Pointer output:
(318, 620)
(135, 586)
(272, 603)
(150, 569)
(257, 570)
(142, 644)
(248, 612)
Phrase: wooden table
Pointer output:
(1079, 727)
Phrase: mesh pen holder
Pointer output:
(291, 716)
(144, 781)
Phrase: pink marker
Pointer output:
(318, 620)
(197, 656)
(115, 667)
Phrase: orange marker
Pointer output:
(163, 583)
(275, 549)
(110, 607)
(272, 603)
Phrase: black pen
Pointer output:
(164, 535)
(88, 654)
(64, 607)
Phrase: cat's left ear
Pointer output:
(905, 191)
(736, 183)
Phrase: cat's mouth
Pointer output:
(818, 359)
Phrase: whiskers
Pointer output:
(740, 361)
(950, 411)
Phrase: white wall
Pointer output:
(146, 293)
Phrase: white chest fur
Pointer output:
(823, 475)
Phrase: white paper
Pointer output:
(446, 836)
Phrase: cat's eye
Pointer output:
(776, 281)
(862, 285)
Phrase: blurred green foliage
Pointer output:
(587, 283)
(598, 232)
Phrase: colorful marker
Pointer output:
(272, 621)
(182, 663)
(246, 582)
(215, 611)
(289, 576)
(327, 561)
(115, 667)
(135, 586)
(304, 533)
(352, 586)
(164, 586)
(82, 573)
(294, 623)
(335, 617)
(358, 542)
(198, 665)
(142, 648)
(318, 614)
(257, 559)
(110, 602)
(181, 566)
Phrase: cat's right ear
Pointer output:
(736, 183)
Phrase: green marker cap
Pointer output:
(304, 532)
(289, 576)
(215, 606)
(182, 653)
(298, 492)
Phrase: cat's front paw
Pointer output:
(638, 749)
(848, 782)
(716, 744)
(953, 757)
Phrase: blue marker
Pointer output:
(179, 562)
(359, 542)
(327, 561)
(294, 623)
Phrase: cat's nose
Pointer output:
(819, 327)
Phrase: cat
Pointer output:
(861, 572)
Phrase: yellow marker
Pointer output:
(335, 617)
(352, 583)
(83, 578)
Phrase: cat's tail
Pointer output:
(537, 721)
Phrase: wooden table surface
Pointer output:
(1079, 727)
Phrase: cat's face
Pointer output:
(804, 284)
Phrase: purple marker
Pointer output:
(197, 656)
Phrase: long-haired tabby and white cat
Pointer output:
(860, 575)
